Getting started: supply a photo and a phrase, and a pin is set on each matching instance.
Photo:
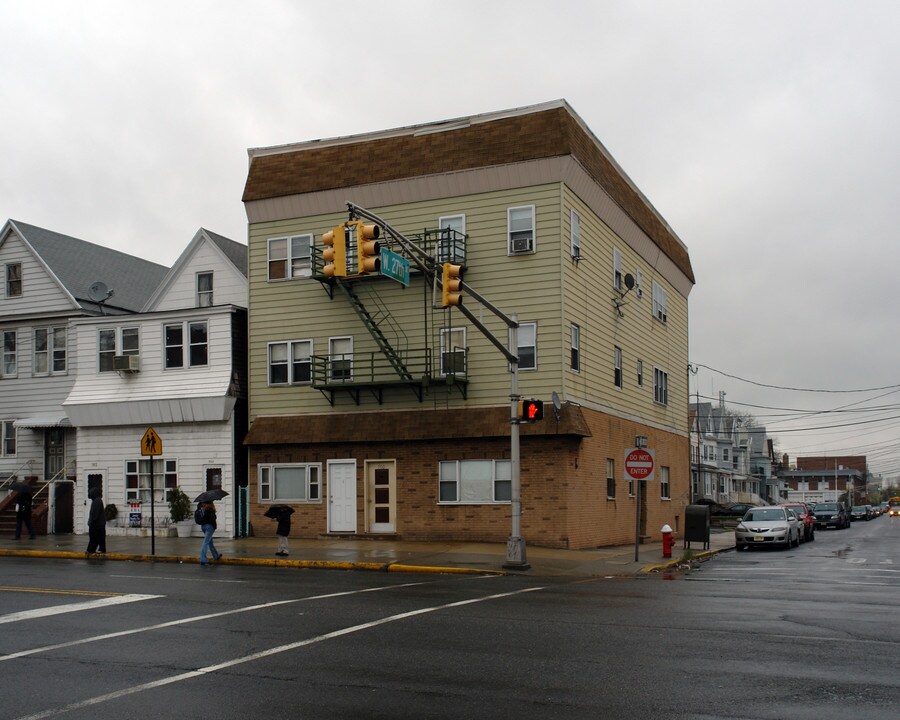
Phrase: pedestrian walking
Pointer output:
(96, 523)
(206, 518)
(23, 514)
(281, 513)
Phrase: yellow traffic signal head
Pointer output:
(367, 248)
(451, 285)
(334, 254)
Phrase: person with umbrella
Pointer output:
(206, 511)
(96, 523)
(281, 513)
(23, 509)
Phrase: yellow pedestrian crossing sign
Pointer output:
(151, 443)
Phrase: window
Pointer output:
(298, 483)
(575, 234)
(49, 350)
(204, 289)
(664, 483)
(660, 386)
(289, 257)
(452, 246)
(290, 363)
(340, 358)
(474, 481)
(14, 280)
(137, 479)
(640, 372)
(617, 369)
(527, 346)
(197, 345)
(617, 270)
(638, 284)
(725, 454)
(116, 341)
(7, 438)
(575, 358)
(610, 479)
(453, 351)
(9, 366)
(659, 303)
(520, 229)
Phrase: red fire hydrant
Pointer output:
(667, 541)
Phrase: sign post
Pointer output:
(639, 466)
(151, 445)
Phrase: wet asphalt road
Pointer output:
(812, 632)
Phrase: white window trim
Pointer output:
(575, 348)
(509, 230)
(575, 233)
(451, 253)
(665, 485)
(618, 379)
(617, 270)
(7, 426)
(457, 482)
(610, 475)
(532, 324)
(660, 303)
(199, 294)
(14, 354)
(8, 281)
(119, 346)
(289, 259)
(185, 345)
(267, 469)
(640, 373)
(445, 332)
(51, 335)
(159, 479)
(289, 361)
(332, 358)
(660, 387)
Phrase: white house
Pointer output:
(179, 367)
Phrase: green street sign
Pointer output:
(395, 266)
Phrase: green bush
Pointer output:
(179, 505)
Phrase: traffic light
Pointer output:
(451, 285)
(367, 249)
(531, 410)
(334, 255)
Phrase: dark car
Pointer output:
(831, 514)
(807, 520)
(736, 510)
(860, 512)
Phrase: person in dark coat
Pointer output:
(23, 514)
(208, 524)
(96, 523)
(282, 531)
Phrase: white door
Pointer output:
(341, 496)
(381, 496)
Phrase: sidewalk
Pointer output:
(378, 555)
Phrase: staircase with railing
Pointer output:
(40, 498)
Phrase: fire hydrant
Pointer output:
(667, 541)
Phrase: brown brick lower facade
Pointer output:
(565, 501)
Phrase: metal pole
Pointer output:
(152, 512)
(637, 521)
(515, 545)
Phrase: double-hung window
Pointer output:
(575, 234)
(527, 345)
(453, 351)
(289, 257)
(451, 245)
(296, 483)
(116, 341)
(617, 368)
(340, 359)
(660, 386)
(13, 280)
(290, 363)
(137, 479)
(49, 350)
(474, 481)
(610, 479)
(187, 344)
(520, 229)
(617, 270)
(7, 438)
(575, 348)
(9, 364)
(660, 308)
(664, 483)
(204, 289)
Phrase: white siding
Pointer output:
(229, 285)
(40, 290)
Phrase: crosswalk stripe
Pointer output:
(74, 607)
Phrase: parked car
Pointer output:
(804, 513)
(736, 510)
(831, 514)
(860, 512)
(767, 526)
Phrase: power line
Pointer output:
(794, 389)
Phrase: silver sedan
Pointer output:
(767, 526)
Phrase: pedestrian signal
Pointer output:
(531, 410)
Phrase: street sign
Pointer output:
(151, 443)
(639, 464)
(395, 266)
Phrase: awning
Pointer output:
(43, 421)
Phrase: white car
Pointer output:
(768, 526)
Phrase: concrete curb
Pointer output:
(263, 562)
(675, 562)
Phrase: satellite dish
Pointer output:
(629, 280)
(556, 403)
(98, 292)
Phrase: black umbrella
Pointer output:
(276, 511)
(210, 496)
(19, 486)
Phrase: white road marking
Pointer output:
(74, 607)
(263, 654)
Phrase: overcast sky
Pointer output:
(764, 132)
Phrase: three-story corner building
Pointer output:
(49, 281)
(375, 411)
(178, 366)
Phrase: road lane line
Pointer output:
(195, 618)
(74, 607)
(58, 591)
(199, 672)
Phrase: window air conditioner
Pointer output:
(521, 245)
(127, 363)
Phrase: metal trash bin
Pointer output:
(696, 525)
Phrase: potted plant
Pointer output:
(180, 510)
(111, 512)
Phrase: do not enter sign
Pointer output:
(639, 464)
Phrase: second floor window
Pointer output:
(575, 352)
(13, 280)
(575, 232)
(289, 257)
(7, 438)
(49, 350)
(617, 270)
(453, 351)
(617, 370)
(520, 230)
(204, 289)
(660, 308)
(640, 372)
(116, 341)
(660, 386)
(9, 365)
(340, 356)
(451, 245)
(527, 346)
(186, 345)
(290, 362)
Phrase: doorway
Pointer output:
(341, 496)
(381, 496)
